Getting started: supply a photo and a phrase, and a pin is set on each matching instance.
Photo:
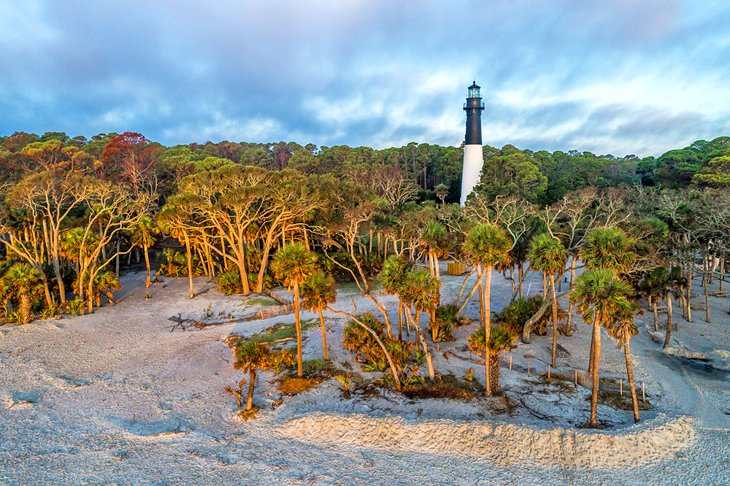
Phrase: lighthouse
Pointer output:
(473, 155)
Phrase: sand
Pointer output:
(116, 397)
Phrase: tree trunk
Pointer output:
(90, 293)
(243, 274)
(400, 320)
(568, 325)
(59, 279)
(25, 308)
(555, 324)
(593, 347)
(689, 296)
(630, 373)
(148, 282)
(707, 300)
(189, 255)
(494, 372)
(656, 312)
(46, 290)
(324, 332)
(594, 374)
(298, 323)
(520, 274)
(477, 285)
(668, 337)
(251, 382)
(487, 328)
(423, 343)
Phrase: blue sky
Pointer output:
(622, 77)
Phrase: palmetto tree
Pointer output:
(319, 291)
(501, 339)
(433, 240)
(23, 283)
(608, 249)
(293, 264)
(252, 357)
(487, 246)
(144, 237)
(600, 296)
(392, 277)
(421, 291)
(548, 255)
(622, 327)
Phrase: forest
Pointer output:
(621, 233)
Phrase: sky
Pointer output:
(620, 76)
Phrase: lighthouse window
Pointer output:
(474, 93)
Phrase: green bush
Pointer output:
(447, 318)
(229, 282)
(519, 311)
(371, 265)
(75, 307)
(358, 340)
(175, 264)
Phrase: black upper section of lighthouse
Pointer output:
(473, 108)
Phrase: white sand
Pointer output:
(115, 397)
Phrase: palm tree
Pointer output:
(293, 264)
(486, 246)
(600, 295)
(442, 192)
(252, 357)
(622, 327)
(421, 291)
(392, 277)
(609, 249)
(501, 339)
(24, 283)
(432, 239)
(548, 255)
(317, 292)
(144, 237)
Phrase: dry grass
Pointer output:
(448, 386)
(247, 415)
(293, 385)
(613, 399)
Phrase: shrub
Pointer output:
(514, 315)
(358, 340)
(370, 264)
(447, 318)
(75, 307)
(175, 264)
(229, 282)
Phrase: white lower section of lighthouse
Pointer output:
(473, 161)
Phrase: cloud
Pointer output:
(637, 76)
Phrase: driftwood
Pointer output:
(527, 328)
(185, 324)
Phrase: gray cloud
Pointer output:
(639, 76)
